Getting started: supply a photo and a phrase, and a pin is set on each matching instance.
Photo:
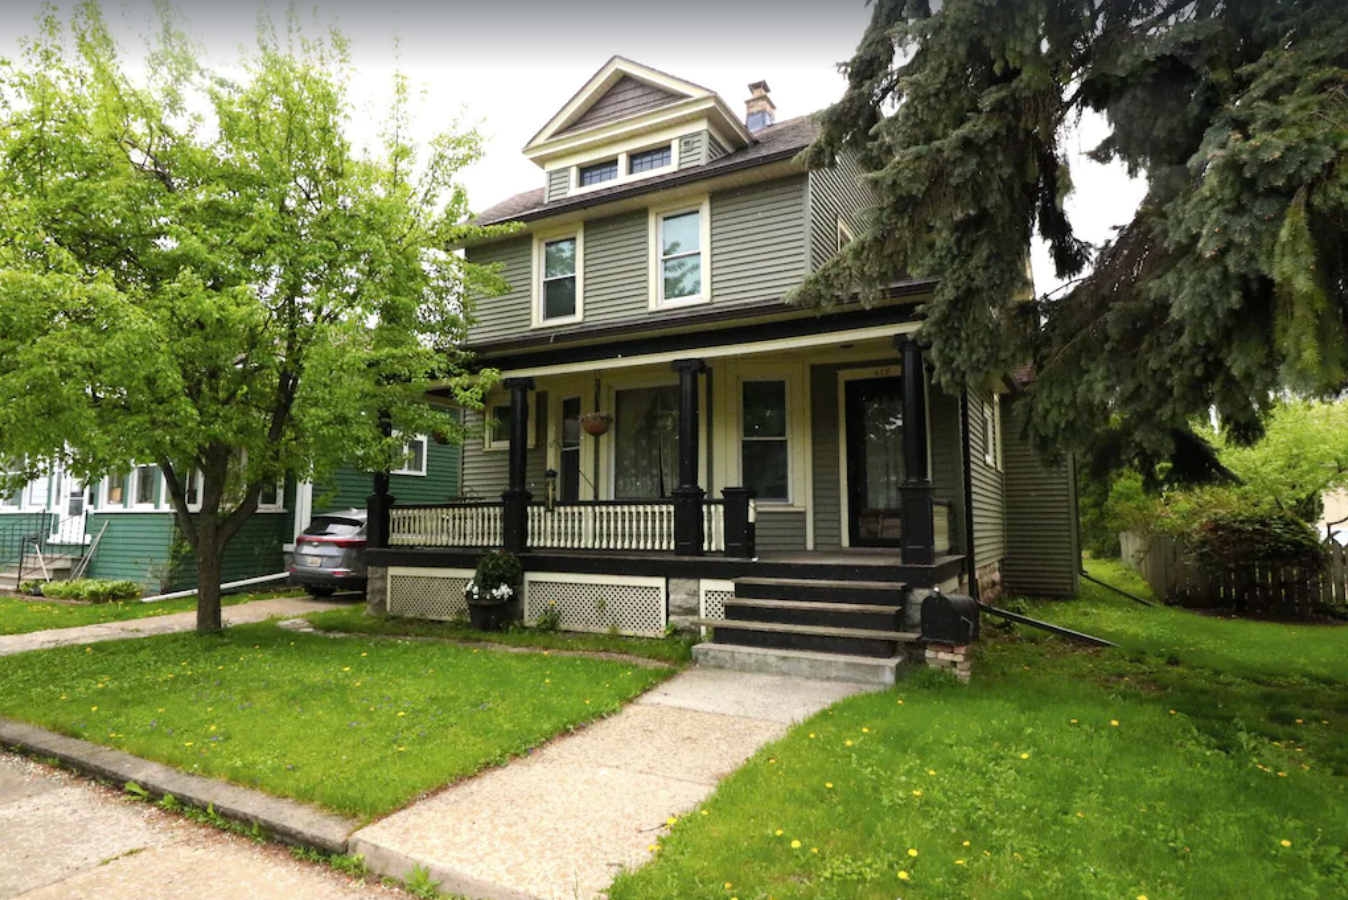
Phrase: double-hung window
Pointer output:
(765, 453)
(147, 485)
(679, 257)
(559, 289)
(414, 457)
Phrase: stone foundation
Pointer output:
(953, 659)
(376, 592)
(685, 602)
(989, 582)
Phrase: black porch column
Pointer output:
(919, 531)
(515, 514)
(380, 501)
(688, 495)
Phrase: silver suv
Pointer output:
(330, 554)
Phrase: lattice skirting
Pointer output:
(428, 593)
(631, 605)
(712, 597)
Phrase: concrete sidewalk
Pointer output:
(66, 839)
(558, 825)
(256, 611)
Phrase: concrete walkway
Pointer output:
(559, 824)
(256, 611)
(67, 839)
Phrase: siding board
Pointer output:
(834, 193)
(1043, 553)
(506, 315)
(628, 97)
(486, 473)
(988, 492)
(780, 532)
(558, 185)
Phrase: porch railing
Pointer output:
(632, 525)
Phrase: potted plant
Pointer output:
(596, 423)
(494, 593)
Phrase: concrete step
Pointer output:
(882, 672)
(821, 638)
(868, 616)
(886, 593)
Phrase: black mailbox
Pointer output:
(950, 619)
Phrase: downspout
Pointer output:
(970, 570)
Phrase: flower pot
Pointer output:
(492, 616)
(596, 423)
(440, 438)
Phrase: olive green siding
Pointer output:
(758, 252)
(698, 149)
(835, 193)
(758, 241)
(559, 183)
(16, 525)
(486, 473)
(947, 459)
(135, 546)
(506, 315)
(780, 531)
(988, 496)
(1043, 554)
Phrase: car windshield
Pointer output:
(331, 526)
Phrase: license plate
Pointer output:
(314, 562)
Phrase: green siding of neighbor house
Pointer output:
(1043, 553)
(988, 490)
(14, 526)
(759, 251)
(136, 546)
(255, 551)
(835, 193)
(350, 488)
(486, 472)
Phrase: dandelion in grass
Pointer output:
(1285, 842)
(1114, 722)
(959, 862)
(903, 875)
(795, 845)
(912, 852)
(778, 832)
(829, 785)
(1025, 756)
(917, 793)
(847, 743)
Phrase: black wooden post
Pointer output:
(919, 531)
(688, 526)
(739, 524)
(380, 501)
(515, 511)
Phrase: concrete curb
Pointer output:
(289, 821)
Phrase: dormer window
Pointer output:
(649, 160)
(598, 173)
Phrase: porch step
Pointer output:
(880, 672)
(821, 638)
(880, 593)
(869, 616)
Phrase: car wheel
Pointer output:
(321, 591)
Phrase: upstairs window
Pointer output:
(649, 160)
(559, 280)
(598, 173)
(679, 266)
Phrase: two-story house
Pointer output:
(673, 443)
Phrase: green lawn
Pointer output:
(354, 620)
(1219, 780)
(20, 616)
(359, 726)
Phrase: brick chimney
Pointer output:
(759, 110)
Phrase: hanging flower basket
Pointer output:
(440, 438)
(596, 423)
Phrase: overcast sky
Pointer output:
(508, 66)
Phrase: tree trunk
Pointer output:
(210, 553)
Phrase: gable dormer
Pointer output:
(631, 122)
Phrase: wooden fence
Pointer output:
(1161, 561)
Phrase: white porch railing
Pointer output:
(643, 526)
(452, 525)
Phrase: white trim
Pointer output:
(304, 507)
(623, 159)
(558, 393)
(797, 430)
(729, 350)
(655, 227)
(500, 399)
(425, 460)
(608, 445)
(844, 231)
(132, 499)
(541, 240)
(280, 504)
(989, 435)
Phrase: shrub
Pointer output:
(1233, 541)
(497, 579)
(92, 590)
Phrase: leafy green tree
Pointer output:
(1229, 285)
(199, 271)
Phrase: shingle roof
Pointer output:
(780, 141)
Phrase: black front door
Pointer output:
(874, 410)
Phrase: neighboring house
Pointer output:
(757, 453)
(130, 517)
(1333, 524)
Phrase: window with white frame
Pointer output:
(496, 430)
(11, 499)
(625, 167)
(597, 173)
(679, 256)
(193, 485)
(650, 160)
(272, 497)
(558, 261)
(115, 489)
(414, 457)
(990, 436)
(145, 492)
(765, 453)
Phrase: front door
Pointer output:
(874, 433)
(67, 509)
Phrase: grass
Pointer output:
(21, 616)
(354, 620)
(1226, 775)
(359, 726)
